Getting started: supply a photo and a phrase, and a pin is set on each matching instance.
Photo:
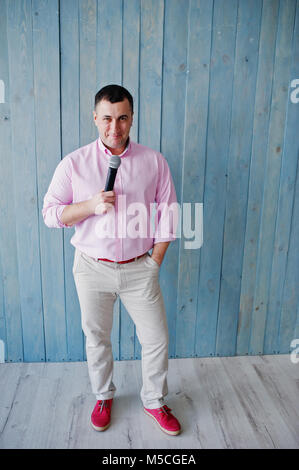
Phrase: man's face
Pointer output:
(114, 121)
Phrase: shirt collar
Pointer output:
(107, 151)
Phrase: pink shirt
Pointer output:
(126, 230)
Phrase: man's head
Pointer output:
(113, 116)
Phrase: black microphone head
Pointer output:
(114, 161)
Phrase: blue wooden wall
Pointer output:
(212, 83)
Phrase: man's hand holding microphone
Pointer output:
(100, 203)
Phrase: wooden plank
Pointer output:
(10, 312)
(296, 332)
(289, 203)
(9, 380)
(196, 111)
(264, 321)
(87, 133)
(190, 404)
(288, 370)
(64, 397)
(245, 68)
(18, 420)
(47, 144)
(288, 329)
(87, 63)
(3, 336)
(70, 140)
(19, 32)
(231, 423)
(257, 170)
(232, 402)
(218, 133)
(131, 52)
(150, 80)
(172, 138)
(109, 42)
(266, 405)
(131, 47)
(289, 157)
(280, 378)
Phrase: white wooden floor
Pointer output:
(229, 402)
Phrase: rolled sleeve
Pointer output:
(167, 209)
(58, 196)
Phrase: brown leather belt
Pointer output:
(121, 262)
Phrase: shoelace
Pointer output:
(102, 404)
(165, 409)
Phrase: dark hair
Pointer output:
(114, 94)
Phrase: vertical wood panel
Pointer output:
(245, 68)
(87, 72)
(70, 140)
(193, 163)
(263, 325)
(109, 42)
(218, 132)
(263, 95)
(47, 143)
(172, 138)
(11, 322)
(150, 81)
(21, 73)
(289, 157)
(211, 87)
(287, 327)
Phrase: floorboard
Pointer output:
(222, 402)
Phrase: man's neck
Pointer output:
(117, 151)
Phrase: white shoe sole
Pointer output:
(100, 429)
(171, 433)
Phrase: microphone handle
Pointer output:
(110, 179)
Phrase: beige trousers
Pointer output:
(137, 283)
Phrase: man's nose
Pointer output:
(114, 125)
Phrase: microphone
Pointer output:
(114, 163)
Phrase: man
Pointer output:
(117, 262)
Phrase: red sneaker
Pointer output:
(100, 417)
(165, 420)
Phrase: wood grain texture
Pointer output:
(221, 403)
(257, 171)
(11, 321)
(265, 320)
(45, 40)
(24, 167)
(211, 82)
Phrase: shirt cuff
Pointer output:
(171, 238)
(59, 211)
